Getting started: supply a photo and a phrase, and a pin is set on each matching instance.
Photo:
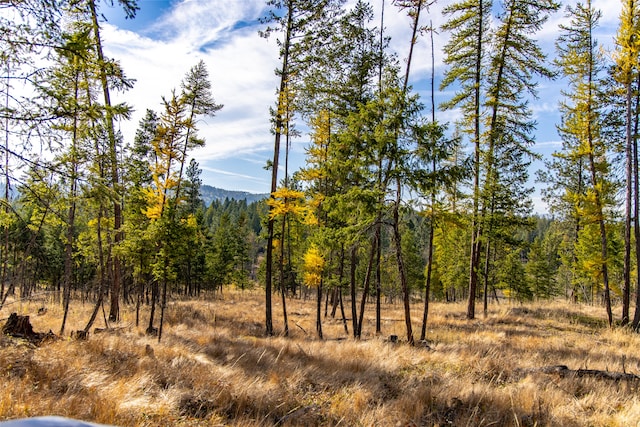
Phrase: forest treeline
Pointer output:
(392, 203)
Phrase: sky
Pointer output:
(168, 37)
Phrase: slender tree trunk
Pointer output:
(485, 274)
(151, 330)
(636, 204)
(396, 207)
(319, 311)
(284, 232)
(487, 261)
(475, 234)
(344, 317)
(334, 301)
(283, 290)
(71, 215)
(163, 305)
(68, 261)
(626, 290)
(338, 290)
(274, 171)
(401, 270)
(326, 301)
(365, 291)
(7, 186)
(427, 287)
(598, 196)
(139, 297)
(114, 311)
(378, 238)
(378, 232)
(102, 280)
(354, 313)
(578, 224)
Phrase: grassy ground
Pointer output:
(215, 367)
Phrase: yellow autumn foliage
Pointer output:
(286, 201)
(313, 267)
(154, 202)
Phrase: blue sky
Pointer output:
(166, 38)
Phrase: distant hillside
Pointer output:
(209, 194)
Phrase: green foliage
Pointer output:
(374, 165)
(511, 276)
(542, 265)
(413, 258)
(451, 256)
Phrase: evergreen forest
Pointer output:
(393, 205)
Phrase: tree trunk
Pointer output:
(626, 290)
(101, 288)
(7, 187)
(283, 293)
(365, 291)
(354, 313)
(274, 170)
(598, 199)
(378, 238)
(283, 290)
(485, 274)
(114, 311)
(338, 290)
(427, 287)
(475, 235)
(71, 215)
(151, 330)
(432, 228)
(163, 305)
(636, 206)
(401, 270)
(68, 265)
(319, 311)
(344, 318)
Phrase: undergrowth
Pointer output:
(214, 366)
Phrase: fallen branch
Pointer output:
(563, 371)
(305, 332)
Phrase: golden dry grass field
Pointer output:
(214, 367)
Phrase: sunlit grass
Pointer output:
(214, 366)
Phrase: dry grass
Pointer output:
(215, 367)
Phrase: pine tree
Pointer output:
(466, 55)
(137, 248)
(66, 90)
(130, 7)
(580, 62)
(301, 23)
(175, 136)
(626, 57)
(432, 173)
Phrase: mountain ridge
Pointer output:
(209, 193)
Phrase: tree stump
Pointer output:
(80, 335)
(18, 326)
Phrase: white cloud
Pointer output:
(552, 144)
(241, 65)
(199, 22)
(240, 68)
(232, 174)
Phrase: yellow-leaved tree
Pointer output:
(313, 271)
(287, 205)
(626, 57)
(175, 136)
